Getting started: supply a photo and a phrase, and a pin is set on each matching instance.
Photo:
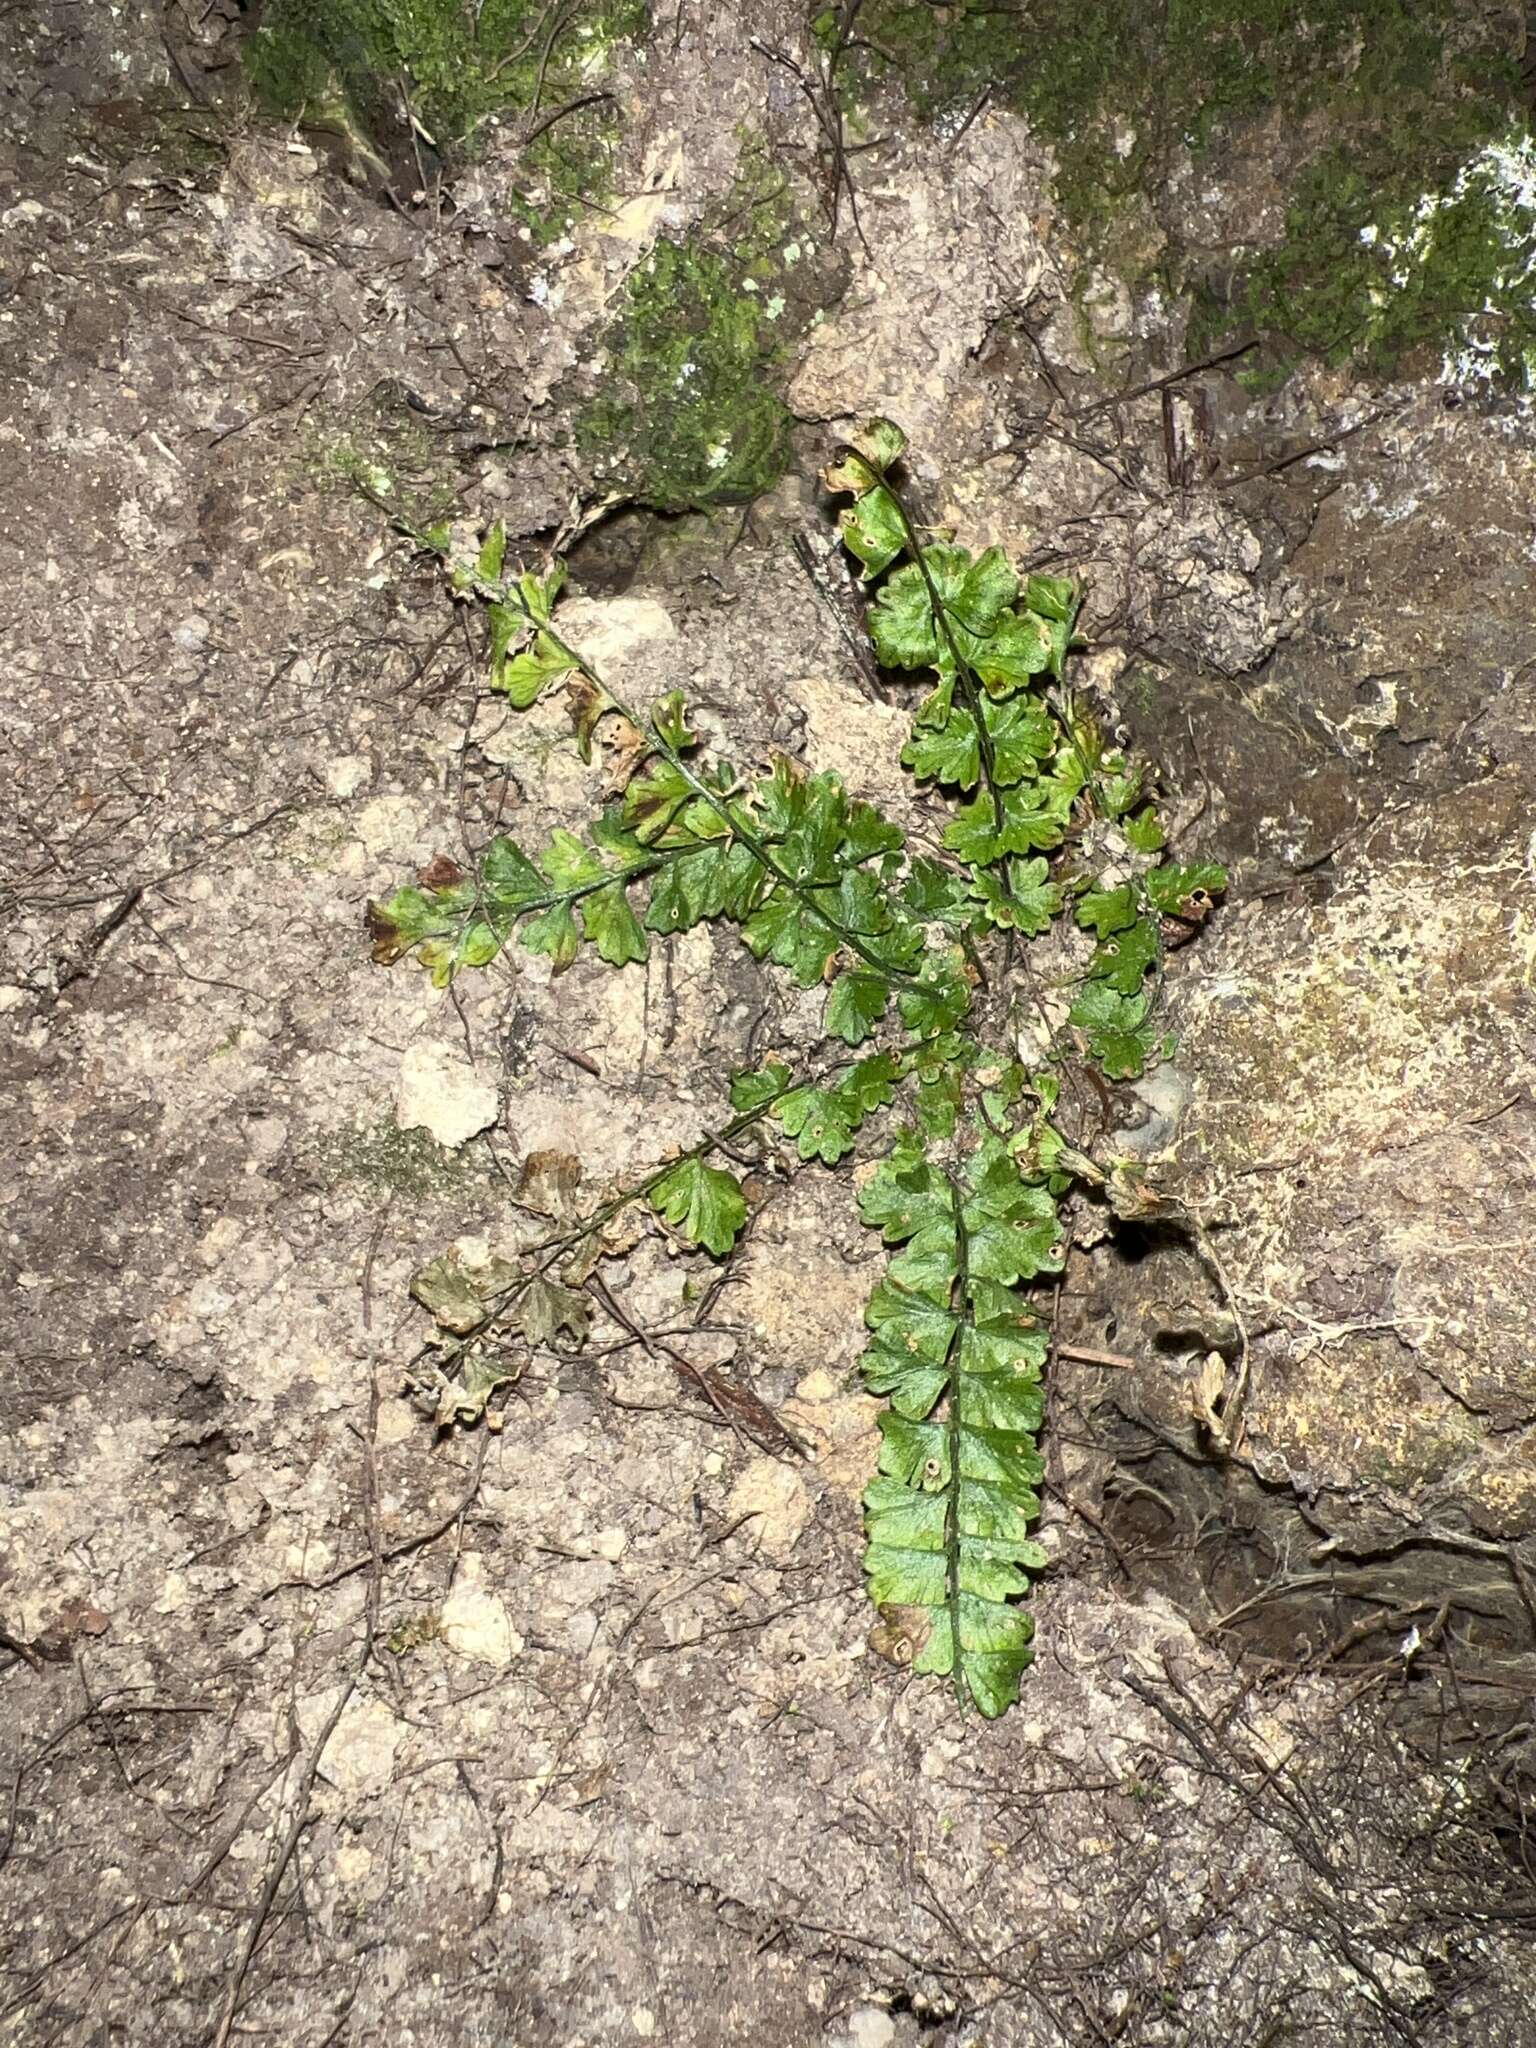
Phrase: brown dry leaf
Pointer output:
(463, 1397)
(900, 1634)
(627, 748)
(611, 1240)
(440, 873)
(80, 1618)
(738, 1405)
(624, 1230)
(1205, 1394)
(592, 1786)
(459, 1294)
(541, 1309)
(588, 705)
(548, 1183)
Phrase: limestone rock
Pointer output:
(359, 1758)
(443, 1095)
(775, 1497)
(475, 1622)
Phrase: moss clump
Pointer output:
(688, 416)
(1375, 270)
(690, 419)
(1406, 100)
(406, 76)
(384, 447)
(383, 1159)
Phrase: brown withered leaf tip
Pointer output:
(385, 934)
(1180, 926)
(440, 873)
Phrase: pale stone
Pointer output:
(869, 2027)
(345, 776)
(859, 740)
(353, 1862)
(622, 637)
(398, 1421)
(388, 824)
(443, 1095)
(475, 1623)
(610, 1543)
(359, 1758)
(175, 1594)
(774, 1496)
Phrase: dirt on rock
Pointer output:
(324, 1724)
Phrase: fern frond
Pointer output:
(958, 1355)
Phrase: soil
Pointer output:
(323, 1725)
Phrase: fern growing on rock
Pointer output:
(1052, 841)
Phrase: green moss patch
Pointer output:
(690, 419)
(400, 76)
(1411, 221)
(688, 415)
(1378, 272)
(382, 1159)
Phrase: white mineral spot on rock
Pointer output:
(618, 635)
(442, 1094)
(346, 776)
(869, 2027)
(398, 1421)
(175, 1594)
(775, 1497)
(359, 1759)
(644, 2021)
(388, 824)
(353, 1862)
(816, 1386)
(475, 1623)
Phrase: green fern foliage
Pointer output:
(792, 860)
(1047, 838)
(957, 1354)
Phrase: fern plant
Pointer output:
(932, 1019)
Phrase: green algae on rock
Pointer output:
(1408, 218)
(401, 77)
(688, 418)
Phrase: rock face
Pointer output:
(623, 1760)
(442, 1095)
(1361, 1044)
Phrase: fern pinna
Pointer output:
(1052, 838)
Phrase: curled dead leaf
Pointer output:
(901, 1633)
(388, 945)
(547, 1185)
(440, 873)
(627, 748)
